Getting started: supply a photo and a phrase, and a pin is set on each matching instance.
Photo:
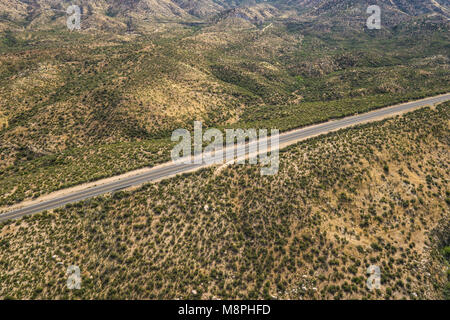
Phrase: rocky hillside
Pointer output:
(111, 14)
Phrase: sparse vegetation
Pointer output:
(286, 236)
(66, 94)
(80, 106)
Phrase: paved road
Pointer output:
(172, 169)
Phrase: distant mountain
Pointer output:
(118, 13)
(395, 10)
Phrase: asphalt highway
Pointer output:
(172, 169)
